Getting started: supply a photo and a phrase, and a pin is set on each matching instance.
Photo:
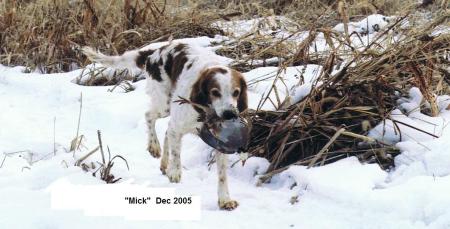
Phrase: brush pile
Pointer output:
(332, 122)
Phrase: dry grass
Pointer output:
(105, 166)
(46, 35)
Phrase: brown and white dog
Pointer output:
(189, 71)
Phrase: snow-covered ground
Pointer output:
(37, 108)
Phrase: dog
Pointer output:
(188, 71)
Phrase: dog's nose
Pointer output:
(229, 114)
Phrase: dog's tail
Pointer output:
(124, 61)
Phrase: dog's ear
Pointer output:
(242, 102)
(199, 92)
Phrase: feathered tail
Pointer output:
(126, 60)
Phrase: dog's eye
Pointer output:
(236, 93)
(215, 92)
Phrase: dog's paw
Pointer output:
(163, 168)
(228, 204)
(174, 175)
(163, 163)
(154, 149)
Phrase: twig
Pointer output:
(413, 127)
(4, 158)
(325, 148)
(101, 146)
(72, 147)
(182, 100)
(78, 162)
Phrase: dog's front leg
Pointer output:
(174, 168)
(222, 190)
(165, 155)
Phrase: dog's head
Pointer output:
(222, 89)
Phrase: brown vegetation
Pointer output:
(47, 34)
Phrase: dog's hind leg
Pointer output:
(153, 146)
(222, 190)
(159, 108)
(151, 116)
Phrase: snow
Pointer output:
(292, 84)
(372, 23)
(271, 25)
(345, 194)
(409, 113)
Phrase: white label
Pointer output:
(133, 202)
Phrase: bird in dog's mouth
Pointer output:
(227, 136)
